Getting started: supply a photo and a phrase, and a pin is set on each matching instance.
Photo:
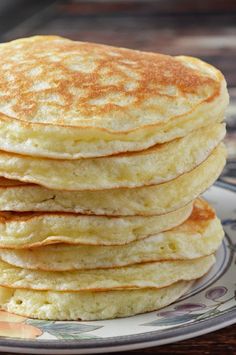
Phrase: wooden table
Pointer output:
(206, 29)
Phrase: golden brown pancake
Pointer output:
(33, 229)
(67, 99)
(155, 165)
(200, 235)
(146, 275)
(148, 200)
(88, 305)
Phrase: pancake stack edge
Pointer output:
(104, 153)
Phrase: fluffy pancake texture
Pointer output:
(66, 99)
(104, 152)
(88, 305)
(25, 230)
(151, 200)
(155, 165)
(200, 235)
(146, 275)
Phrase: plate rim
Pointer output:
(125, 342)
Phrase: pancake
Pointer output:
(147, 275)
(33, 229)
(88, 305)
(155, 165)
(66, 99)
(200, 235)
(152, 200)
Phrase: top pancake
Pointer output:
(66, 99)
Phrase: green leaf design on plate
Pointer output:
(65, 330)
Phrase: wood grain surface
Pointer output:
(202, 28)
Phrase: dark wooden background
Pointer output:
(202, 28)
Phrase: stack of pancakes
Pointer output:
(104, 153)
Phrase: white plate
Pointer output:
(209, 305)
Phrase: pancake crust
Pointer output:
(200, 235)
(88, 305)
(153, 166)
(30, 230)
(152, 200)
(66, 99)
(148, 275)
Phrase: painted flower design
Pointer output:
(14, 326)
(216, 292)
(190, 307)
(65, 330)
